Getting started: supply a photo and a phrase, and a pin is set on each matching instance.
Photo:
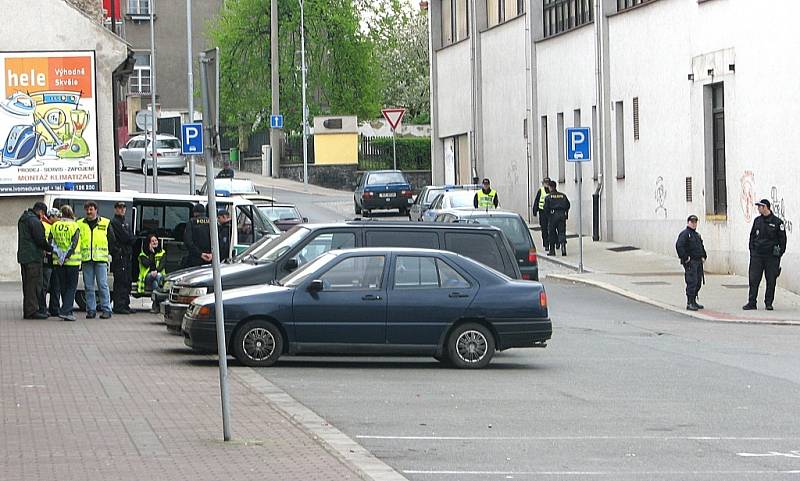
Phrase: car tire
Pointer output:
(145, 170)
(365, 213)
(470, 346)
(357, 209)
(404, 212)
(258, 343)
(122, 166)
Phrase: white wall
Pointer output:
(454, 82)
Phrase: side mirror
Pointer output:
(305, 219)
(315, 286)
(291, 264)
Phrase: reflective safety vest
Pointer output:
(486, 200)
(542, 195)
(94, 242)
(62, 233)
(144, 270)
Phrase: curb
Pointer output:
(364, 463)
(562, 263)
(646, 300)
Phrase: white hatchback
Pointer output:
(137, 154)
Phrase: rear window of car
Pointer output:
(513, 227)
(386, 178)
(402, 238)
(479, 246)
(168, 144)
(431, 194)
(461, 198)
(279, 213)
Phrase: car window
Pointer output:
(130, 144)
(415, 273)
(437, 202)
(513, 227)
(301, 274)
(279, 212)
(168, 144)
(355, 273)
(323, 243)
(479, 246)
(244, 225)
(449, 278)
(163, 220)
(461, 198)
(431, 194)
(402, 238)
(272, 250)
(386, 178)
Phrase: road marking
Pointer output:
(577, 438)
(596, 473)
(790, 454)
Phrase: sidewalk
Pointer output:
(658, 280)
(122, 399)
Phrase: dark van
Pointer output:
(270, 260)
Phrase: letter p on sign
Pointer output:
(578, 144)
(192, 139)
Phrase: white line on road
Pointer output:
(771, 454)
(597, 473)
(578, 438)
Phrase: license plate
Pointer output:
(387, 194)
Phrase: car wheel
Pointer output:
(358, 209)
(366, 213)
(258, 344)
(470, 346)
(122, 166)
(144, 168)
(404, 212)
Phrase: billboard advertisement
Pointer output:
(48, 122)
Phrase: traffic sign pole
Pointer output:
(394, 149)
(579, 170)
(578, 149)
(394, 117)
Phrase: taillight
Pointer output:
(532, 256)
(526, 277)
(367, 195)
(405, 193)
(158, 154)
(542, 299)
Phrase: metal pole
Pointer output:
(212, 208)
(394, 150)
(190, 91)
(579, 171)
(274, 134)
(154, 127)
(305, 107)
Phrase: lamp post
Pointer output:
(190, 87)
(154, 127)
(305, 106)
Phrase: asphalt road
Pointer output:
(624, 391)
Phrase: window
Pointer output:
(139, 81)
(619, 112)
(455, 21)
(324, 243)
(426, 272)
(716, 119)
(355, 273)
(563, 15)
(562, 159)
(498, 11)
(244, 225)
(404, 238)
(163, 220)
(138, 7)
(628, 4)
(481, 247)
(386, 178)
(545, 157)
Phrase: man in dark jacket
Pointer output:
(31, 246)
(767, 246)
(692, 254)
(557, 207)
(197, 239)
(226, 172)
(121, 260)
(224, 230)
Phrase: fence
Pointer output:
(293, 149)
(375, 153)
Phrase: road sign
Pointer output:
(276, 121)
(144, 120)
(393, 116)
(192, 139)
(578, 144)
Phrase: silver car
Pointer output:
(138, 154)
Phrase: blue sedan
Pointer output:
(378, 301)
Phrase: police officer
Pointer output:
(31, 245)
(121, 260)
(226, 172)
(486, 197)
(197, 239)
(767, 245)
(224, 229)
(97, 242)
(692, 254)
(556, 204)
(538, 210)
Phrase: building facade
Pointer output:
(693, 109)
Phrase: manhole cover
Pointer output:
(736, 286)
(623, 248)
(651, 283)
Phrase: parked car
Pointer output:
(138, 154)
(284, 216)
(512, 225)
(428, 194)
(228, 187)
(267, 261)
(449, 199)
(382, 189)
(381, 301)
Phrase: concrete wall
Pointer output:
(60, 26)
(455, 98)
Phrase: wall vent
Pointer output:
(688, 189)
(636, 118)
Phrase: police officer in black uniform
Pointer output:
(121, 260)
(767, 245)
(557, 207)
(224, 233)
(197, 239)
(692, 254)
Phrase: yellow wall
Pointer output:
(335, 149)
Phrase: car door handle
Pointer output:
(458, 294)
(371, 297)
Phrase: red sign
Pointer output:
(107, 8)
(393, 116)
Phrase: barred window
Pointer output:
(563, 15)
(628, 4)
(455, 21)
(498, 11)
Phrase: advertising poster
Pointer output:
(48, 122)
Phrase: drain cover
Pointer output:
(623, 249)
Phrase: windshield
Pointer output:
(168, 144)
(273, 249)
(513, 227)
(431, 194)
(386, 178)
(264, 224)
(461, 198)
(297, 277)
(279, 213)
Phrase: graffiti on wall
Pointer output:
(779, 208)
(660, 194)
(747, 195)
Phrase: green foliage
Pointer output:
(413, 153)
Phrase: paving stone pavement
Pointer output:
(121, 399)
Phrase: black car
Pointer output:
(382, 189)
(512, 225)
(378, 300)
(275, 259)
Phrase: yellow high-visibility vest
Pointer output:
(542, 194)
(94, 242)
(62, 232)
(486, 200)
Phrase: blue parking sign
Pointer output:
(578, 144)
(192, 139)
(276, 121)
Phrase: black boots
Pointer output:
(692, 305)
(156, 307)
(564, 250)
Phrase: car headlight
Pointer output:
(199, 312)
(186, 295)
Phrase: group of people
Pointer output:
(552, 208)
(767, 246)
(54, 248)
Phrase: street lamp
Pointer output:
(154, 127)
(305, 107)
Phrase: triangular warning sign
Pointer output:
(393, 116)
